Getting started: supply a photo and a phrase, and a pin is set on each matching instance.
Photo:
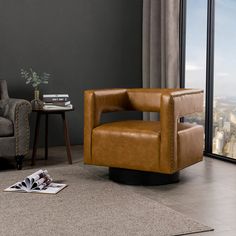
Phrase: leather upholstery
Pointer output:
(166, 146)
(190, 143)
(119, 139)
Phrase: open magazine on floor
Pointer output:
(38, 182)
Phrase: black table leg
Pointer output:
(67, 139)
(46, 136)
(36, 135)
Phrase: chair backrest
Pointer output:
(3, 89)
(145, 99)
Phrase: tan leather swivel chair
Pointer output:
(164, 146)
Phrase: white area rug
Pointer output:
(90, 205)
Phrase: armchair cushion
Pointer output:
(114, 140)
(2, 107)
(17, 111)
(111, 141)
(6, 127)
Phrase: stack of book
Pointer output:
(56, 101)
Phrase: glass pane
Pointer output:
(196, 33)
(224, 113)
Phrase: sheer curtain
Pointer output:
(160, 45)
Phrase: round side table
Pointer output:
(39, 113)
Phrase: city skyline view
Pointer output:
(224, 107)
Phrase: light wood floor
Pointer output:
(206, 192)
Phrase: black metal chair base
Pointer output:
(136, 177)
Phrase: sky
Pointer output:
(225, 46)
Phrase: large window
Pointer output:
(224, 109)
(196, 32)
(211, 65)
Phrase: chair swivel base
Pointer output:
(136, 177)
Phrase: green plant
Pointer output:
(31, 77)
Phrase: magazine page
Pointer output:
(31, 179)
(46, 180)
(38, 182)
(52, 188)
(17, 187)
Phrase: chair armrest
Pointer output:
(175, 104)
(187, 101)
(95, 103)
(18, 110)
(3, 90)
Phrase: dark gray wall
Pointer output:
(83, 44)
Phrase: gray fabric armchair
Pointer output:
(14, 126)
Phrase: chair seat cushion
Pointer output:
(135, 144)
(114, 144)
(6, 127)
(131, 126)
